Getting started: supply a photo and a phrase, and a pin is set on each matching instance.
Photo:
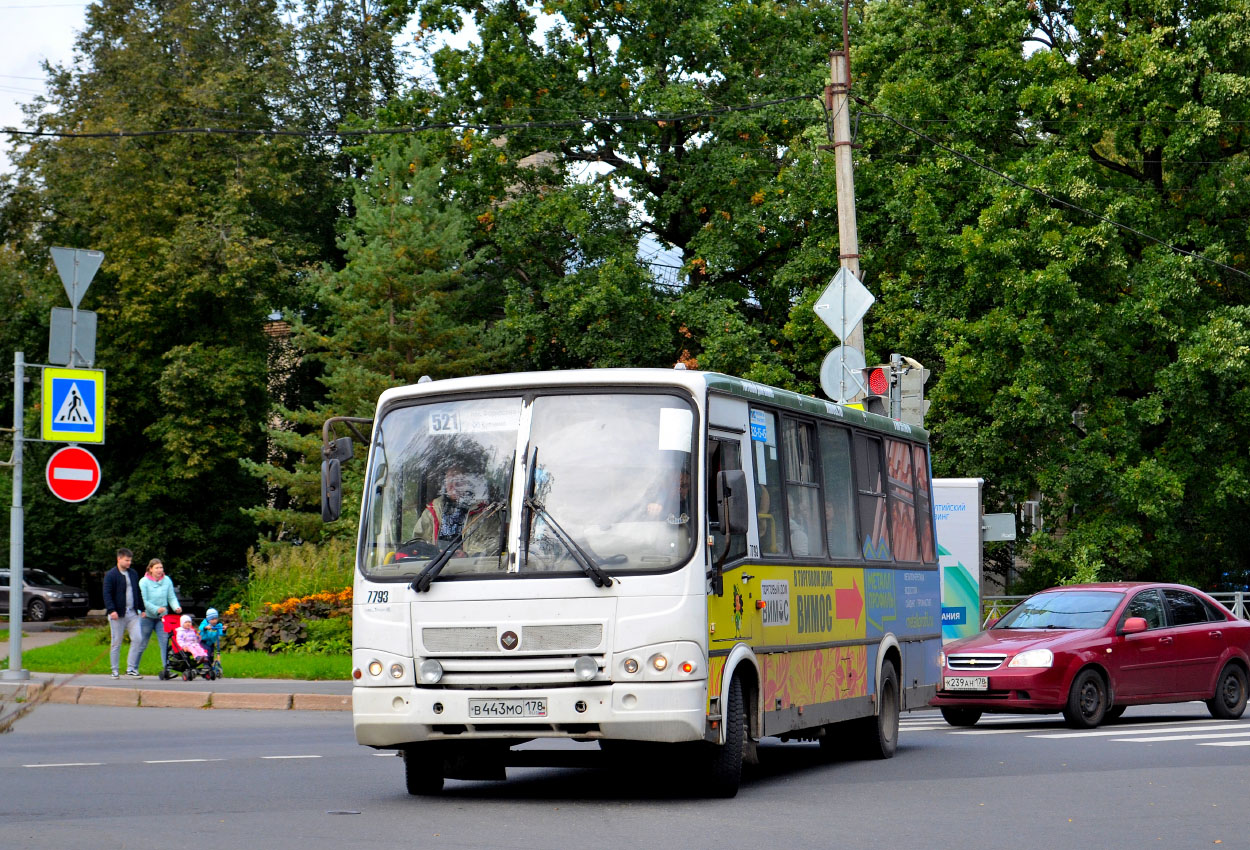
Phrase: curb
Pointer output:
(148, 698)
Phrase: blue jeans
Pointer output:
(148, 625)
(119, 627)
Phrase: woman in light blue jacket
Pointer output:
(158, 600)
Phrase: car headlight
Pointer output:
(1033, 658)
(53, 594)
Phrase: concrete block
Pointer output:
(65, 694)
(270, 702)
(321, 702)
(173, 699)
(100, 695)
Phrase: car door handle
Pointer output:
(1165, 640)
(1215, 634)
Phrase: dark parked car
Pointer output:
(1092, 650)
(45, 595)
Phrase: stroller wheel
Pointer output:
(188, 675)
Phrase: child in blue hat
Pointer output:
(212, 630)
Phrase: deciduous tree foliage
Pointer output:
(204, 236)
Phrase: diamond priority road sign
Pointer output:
(73, 474)
(73, 405)
(843, 303)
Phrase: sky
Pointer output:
(32, 31)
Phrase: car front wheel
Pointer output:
(1230, 694)
(961, 716)
(37, 612)
(1087, 701)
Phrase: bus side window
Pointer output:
(902, 491)
(924, 507)
(870, 479)
(769, 501)
(803, 489)
(835, 455)
(723, 455)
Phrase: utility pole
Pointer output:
(837, 99)
(17, 595)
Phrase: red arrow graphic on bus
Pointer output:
(850, 602)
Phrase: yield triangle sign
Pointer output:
(76, 268)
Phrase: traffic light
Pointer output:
(913, 405)
(877, 380)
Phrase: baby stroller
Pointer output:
(181, 662)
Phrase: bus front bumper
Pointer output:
(643, 711)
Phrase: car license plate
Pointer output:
(504, 708)
(967, 683)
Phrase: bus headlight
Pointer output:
(585, 668)
(397, 670)
(430, 672)
(659, 662)
(631, 665)
(375, 668)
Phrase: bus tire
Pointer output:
(880, 732)
(423, 771)
(725, 760)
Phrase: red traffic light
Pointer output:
(878, 380)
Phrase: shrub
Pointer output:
(281, 571)
(282, 626)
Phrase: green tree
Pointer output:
(203, 236)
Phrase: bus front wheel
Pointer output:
(424, 767)
(725, 760)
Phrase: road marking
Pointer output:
(68, 764)
(290, 757)
(1184, 737)
(178, 761)
(1122, 730)
(1225, 744)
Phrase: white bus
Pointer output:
(635, 555)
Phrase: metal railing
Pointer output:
(993, 607)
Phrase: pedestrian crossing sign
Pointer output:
(73, 405)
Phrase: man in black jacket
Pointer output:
(124, 604)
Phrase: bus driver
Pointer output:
(461, 508)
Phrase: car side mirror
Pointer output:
(1133, 625)
(731, 498)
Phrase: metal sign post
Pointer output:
(16, 531)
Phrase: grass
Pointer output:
(283, 571)
(88, 652)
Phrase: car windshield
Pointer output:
(1063, 609)
(584, 484)
(41, 579)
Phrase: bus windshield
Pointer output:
(593, 483)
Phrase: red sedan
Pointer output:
(1092, 650)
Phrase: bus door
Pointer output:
(724, 452)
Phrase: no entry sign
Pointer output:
(73, 474)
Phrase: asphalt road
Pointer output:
(91, 777)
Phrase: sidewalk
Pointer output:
(151, 692)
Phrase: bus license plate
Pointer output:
(504, 708)
(967, 683)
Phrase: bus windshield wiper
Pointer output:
(424, 578)
(598, 576)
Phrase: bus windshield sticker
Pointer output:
(480, 421)
(675, 427)
(444, 422)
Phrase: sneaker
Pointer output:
(133, 674)
(115, 676)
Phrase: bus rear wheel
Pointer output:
(424, 767)
(880, 733)
(724, 773)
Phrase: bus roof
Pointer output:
(694, 381)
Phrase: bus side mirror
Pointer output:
(332, 488)
(731, 499)
(340, 450)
